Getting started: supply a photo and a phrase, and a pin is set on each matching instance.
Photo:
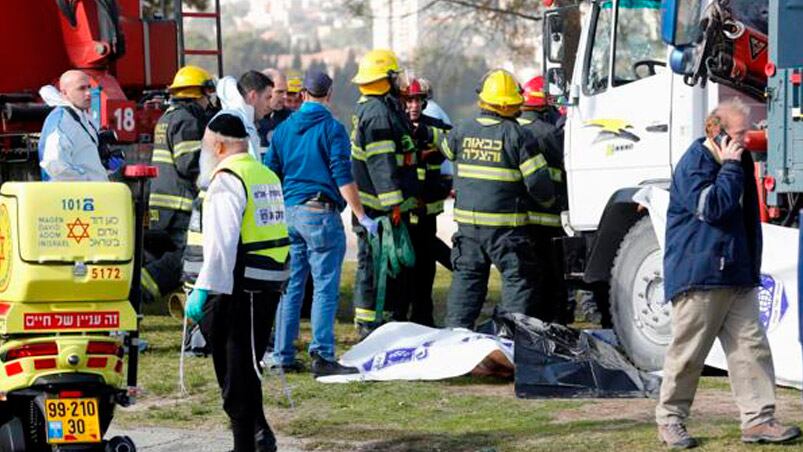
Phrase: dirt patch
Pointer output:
(709, 403)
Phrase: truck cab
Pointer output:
(629, 120)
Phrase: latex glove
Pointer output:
(115, 163)
(369, 224)
(395, 216)
(195, 304)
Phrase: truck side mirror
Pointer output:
(554, 38)
(680, 21)
(556, 82)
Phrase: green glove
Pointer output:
(195, 304)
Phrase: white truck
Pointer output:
(629, 120)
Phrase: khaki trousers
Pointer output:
(732, 315)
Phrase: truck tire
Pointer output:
(641, 320)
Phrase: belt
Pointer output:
(318, 204)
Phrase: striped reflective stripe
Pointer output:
(446, 150)
(195, 238)
(170, 202)
(148, 283)
(488, 173)
(192, 267)
(488, 121)
(434, 208)
(545, 219)
(391, 198)
(364, 315)
(266, 275)
(555, 174)
(532, 165)
(490, 219)
(433, 167)
(370, 200)
(357, 152)
(186, 147)
(162, 156)
(422, 173)
(380, 147)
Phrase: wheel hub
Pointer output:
(651, 315)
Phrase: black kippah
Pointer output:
(228, 125)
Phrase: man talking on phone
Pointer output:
(712, 261)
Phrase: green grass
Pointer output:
(465, 413)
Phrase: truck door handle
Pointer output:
(658, 128)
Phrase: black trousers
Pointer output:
(419, 306)
(164, 245)
(474, 249)
(555, 307)
(229, 325)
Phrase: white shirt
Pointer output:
(70, 146)
(233, 103)
(223, 209)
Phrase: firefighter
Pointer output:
(242, 272)
(536, 117)
(294, 99)
(176, 149)
(427, 133)
(384, 166)
(500, 178)
(543, 108)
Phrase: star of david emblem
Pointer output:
(78, 230)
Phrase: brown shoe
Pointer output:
(676, 436)
(771, 431)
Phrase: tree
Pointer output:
(152, 7)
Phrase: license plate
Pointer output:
(72, 421)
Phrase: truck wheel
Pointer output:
(641, 320)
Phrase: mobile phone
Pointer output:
(721, 136)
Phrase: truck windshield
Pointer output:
(640, 52)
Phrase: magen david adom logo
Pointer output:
(772, 302)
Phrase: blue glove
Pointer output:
(369, 224)
(195, 304)
(115, 163)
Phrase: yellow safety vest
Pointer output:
(262, 256)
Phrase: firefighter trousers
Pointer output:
(364, 286)
(555, 306)
(234, 326)
(423, 235)
(164, 253)
(474, 249)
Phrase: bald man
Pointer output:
(279, 112)
(68, 147)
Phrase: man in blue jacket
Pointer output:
(712, 262)
(311, 154)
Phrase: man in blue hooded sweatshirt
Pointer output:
(311, 154)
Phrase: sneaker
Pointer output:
(676, 436)
(322, 367)
(771, 431)
(296, 366)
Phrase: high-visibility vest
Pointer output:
(194, 250)
(263, 249)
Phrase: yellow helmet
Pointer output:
(191, 77)
(294, 82)
(375, 65)
(500, 89)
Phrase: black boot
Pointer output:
(322, 367)
(265, 441)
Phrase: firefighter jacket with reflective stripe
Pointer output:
(549, 139)
(194, 250)
(262, 253)
(384, 155)
(501, 178)
(430, 137)
(176, 149)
